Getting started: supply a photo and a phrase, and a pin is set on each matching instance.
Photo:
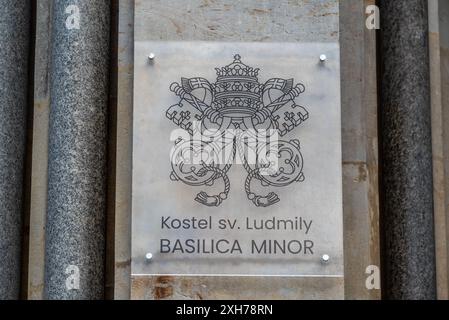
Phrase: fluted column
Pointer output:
(75, 236)
(406, 152)
(15, 23)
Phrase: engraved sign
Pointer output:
(237, 159)
(236, 104)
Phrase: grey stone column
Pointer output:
(75, 228)
(15, 24)
(406, 152)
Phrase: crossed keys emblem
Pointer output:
(237, 102)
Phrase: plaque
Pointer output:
(237, 159)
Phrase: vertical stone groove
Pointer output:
(75, 228)
(406, 151)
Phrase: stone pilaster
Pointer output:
(15, 24)
(75, 238)
(406, 151)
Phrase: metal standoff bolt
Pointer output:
(151, 56)
(325, 258)
(148, 257)
(323, 58)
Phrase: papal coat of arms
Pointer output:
(237, 103)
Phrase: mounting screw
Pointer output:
(148, 257)
(325, 259)
(151, 56)
(323, 58)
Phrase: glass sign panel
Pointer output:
(237, 159)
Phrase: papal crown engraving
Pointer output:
(237, 101)
(237, 90)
